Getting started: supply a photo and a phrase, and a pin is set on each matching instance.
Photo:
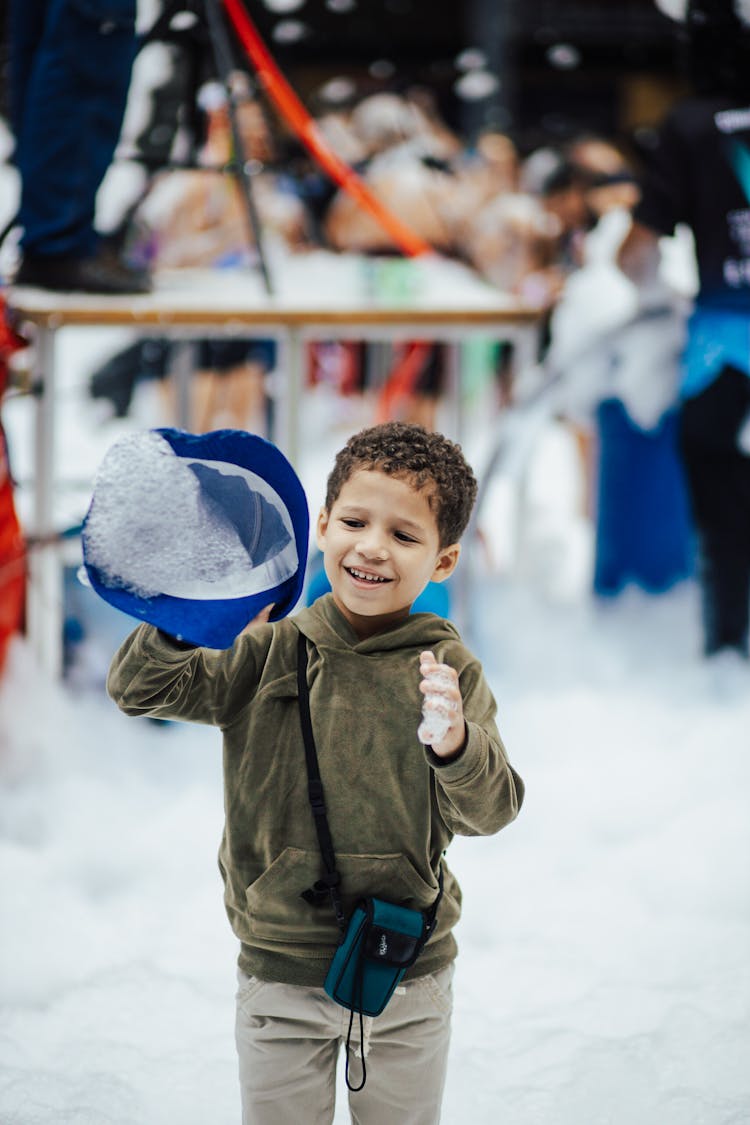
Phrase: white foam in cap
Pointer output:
(150, 532)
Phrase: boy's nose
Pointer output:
(371, 547)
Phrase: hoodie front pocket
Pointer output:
(278, 913)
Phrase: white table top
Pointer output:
(310, 288)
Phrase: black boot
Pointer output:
(101, 273)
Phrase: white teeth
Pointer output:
(366, 577)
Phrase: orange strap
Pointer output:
(403, 378)
(297, 117)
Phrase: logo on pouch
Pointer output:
(383, 945)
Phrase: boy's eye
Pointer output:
(349, 521)
(404, 538)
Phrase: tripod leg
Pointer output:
(221, 47)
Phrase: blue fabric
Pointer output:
(216, 623)
(644, 532)
(70, 66)
(717, 337)
(218, 354)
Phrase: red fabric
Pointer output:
(10, 341)
(403, 378)
(12, 546)
(12, 560)
(295, 114)
(336, 364)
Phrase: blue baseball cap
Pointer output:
(196, 533)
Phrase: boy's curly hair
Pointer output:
(424, 458)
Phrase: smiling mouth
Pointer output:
(362, 576)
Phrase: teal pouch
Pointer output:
(381, 941)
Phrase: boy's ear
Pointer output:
(320, 528)
(446, 562)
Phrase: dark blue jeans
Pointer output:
(70, 65)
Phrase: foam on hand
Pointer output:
(437, 711)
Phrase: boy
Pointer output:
(398, 500)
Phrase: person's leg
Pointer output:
(246, 397)
(725, 592)
(26, 22)
(205, 387)
(228, 388)
(287, 1043)
(74, 92)
(407, 1056)
(205, 392)
(719, 485)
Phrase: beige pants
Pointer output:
(288, 1040)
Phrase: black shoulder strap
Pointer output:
(431, 914)
(328, 884)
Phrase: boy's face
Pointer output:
(381, 547)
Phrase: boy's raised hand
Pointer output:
(439, 685)
(259, 619)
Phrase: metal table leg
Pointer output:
(44, 608)
(288, 383)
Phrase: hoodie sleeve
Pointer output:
(152, 674)
(478, 792)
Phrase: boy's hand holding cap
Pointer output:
(259, 619)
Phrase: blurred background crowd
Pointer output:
(516, 138)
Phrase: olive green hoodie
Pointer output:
(392, 806)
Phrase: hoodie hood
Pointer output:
(325, 625)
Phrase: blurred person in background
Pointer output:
(700, 176)
(196, 218)
(407, 159)
(579, 185)
(464, 201)
(70, 65)
(617, 352)
(407, 156)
